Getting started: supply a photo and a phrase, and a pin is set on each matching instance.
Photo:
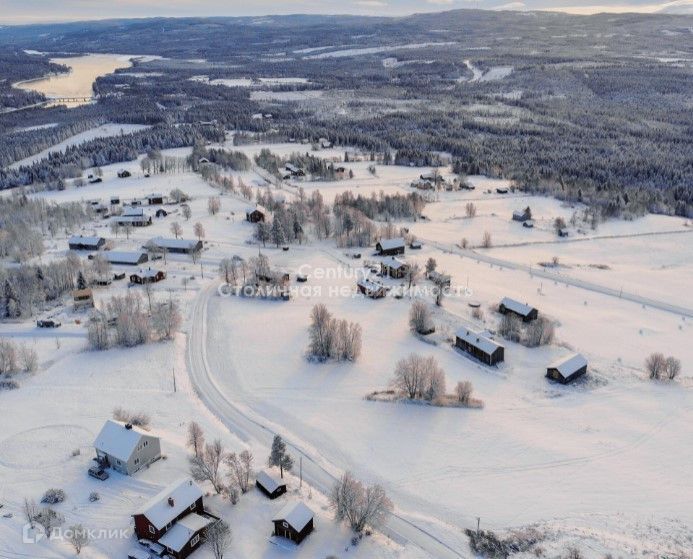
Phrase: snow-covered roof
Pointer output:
(133, 211)
(369, 284)
(183, 531)
(168, 243)
(118, 441)
(123, 257)
(517, 307)
(132, 218)
(159, 510)
(268, 481)
(395, 263)
(296, 514)
(147, 273)
(477, 339)
(258, 207)
(388, 244)
(79, 239)
(138, 554)
(154, 195)
(291, 167)
(569, 365)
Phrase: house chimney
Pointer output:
(128, 426)
(171, 502)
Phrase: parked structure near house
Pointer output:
(440, 279)
(161, 212)
(270, 485)
(390, 247)
(522, 215)
(255, 214)
(123, 174)
(78, 242)
(480, 346)
(126, 448)
(567, 369)
(155, 199)
(415, 245)
(115, 200)
(294, 522)
(529, 224)
(133, 258)
(394, 267)
(522, 310)
(135, 216)
(502, 190)
(82, 298)
(371, 288)
(175, 518)
(147, 276)
(175, 246)
(294, 171)
(563, 232)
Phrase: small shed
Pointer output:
(255, 214)
(522, 215)
(390, 247)
(123, 174)
(480, 346)
(502, 190)
(82, 298)
(155, 199)
(147, 276)
(294, 522)
(78, 242)
(567, 369)
(161, 212)
(270, 485)
(522, 310)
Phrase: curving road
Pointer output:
(398, 528)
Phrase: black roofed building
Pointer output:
(480, 346)
(78, 242)
(294, 522)
(522, 310)
(390, 247)
(567, 369)
(270, 485)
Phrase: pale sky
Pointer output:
(33, 11)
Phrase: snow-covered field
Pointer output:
(603, 464)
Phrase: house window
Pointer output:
(137, 460)
(195, 540)
(151, 529)
(285, 524)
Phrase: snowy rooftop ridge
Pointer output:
(183, 530)
(168, 243)
(268, 481)
(567, 365)
(182, 493)
(118, 441)
(297, 514)
(389, 244)
(517, 307)
(394, 262)
(478, 339)
(90, 240)
(118, 256)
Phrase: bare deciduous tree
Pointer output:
(240, 469)
(78, 537)
(420, 319)
(217, 539)
(206, 465)
(470, 210)
(213, 205)
(176, 229)
(655, 364)
(199, 231)
(463, 391)
(486, 241)
(196, 438)
(166, 319)
(359, 505)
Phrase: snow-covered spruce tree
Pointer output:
(279, 457)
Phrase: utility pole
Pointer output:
(478, 522)
(300, 469)
(174, 379)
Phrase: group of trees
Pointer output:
(331, 338)
(16, 357)
(382, 207)
(126, 321)
(659, 367)
(535, 333)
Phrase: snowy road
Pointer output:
(247, 428)
(562, 278)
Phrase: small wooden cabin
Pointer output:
(370, 288)
(395, 268)
(567, 369)
(294, 522)
(521, 310)
(390, 247)
(256, 214)
(268, 484)
(147, 276)
(480, 346)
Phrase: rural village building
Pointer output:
(440, 279)
(394, 267)
(155, 199)
(134, 216)
(78, 242)
(126, 448)
(82, 298)
(175, 246)
(372, 289)
(127, 258)
(522, 310)
(390, 247)
(256, 214)
(270, 485)
(147, 276)
(567, 369)
(522, 215)
(175, 518)
(294, 522)
(480, 346)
